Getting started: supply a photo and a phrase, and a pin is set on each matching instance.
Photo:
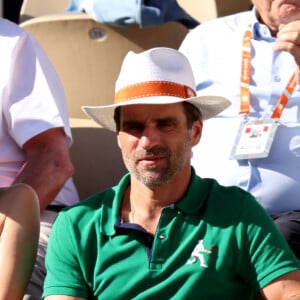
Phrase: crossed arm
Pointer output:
(47, 165)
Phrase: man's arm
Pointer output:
(286, 287)
(48, 164)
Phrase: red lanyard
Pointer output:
(245, 81)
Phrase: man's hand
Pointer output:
(288, 39)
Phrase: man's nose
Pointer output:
(149, 138)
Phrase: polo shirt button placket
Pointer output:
(158, 259)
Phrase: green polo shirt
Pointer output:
(215, 243)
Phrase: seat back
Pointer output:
(96, 157)
(228, 7)
(206, 10)
(87, 55)
(35, 8)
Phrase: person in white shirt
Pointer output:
(252, 58)
(35, 135)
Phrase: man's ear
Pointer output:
(196, 132)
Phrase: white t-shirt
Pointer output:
(32, 101)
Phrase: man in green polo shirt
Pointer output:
(163, 232)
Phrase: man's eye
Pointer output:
(132, 126)
(166, 124)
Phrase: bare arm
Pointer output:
(47, 165)
(286, 287)
(19, 234)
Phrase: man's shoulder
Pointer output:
(92, 203)
(106, 200)
(229, 204)
(222, 195)
(237, 21)
(213, 184)
(12, 37)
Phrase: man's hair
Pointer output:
(191, 112)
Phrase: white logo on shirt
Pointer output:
(198, 254)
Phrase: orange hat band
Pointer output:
(154, 88)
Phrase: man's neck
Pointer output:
(143, 205)
(271, 25)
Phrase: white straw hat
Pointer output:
(156, 76)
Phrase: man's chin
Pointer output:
(151, 179)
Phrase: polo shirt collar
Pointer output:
(195, 196)
(111, 207)
(192, 201)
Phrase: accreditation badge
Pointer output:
(254, 139)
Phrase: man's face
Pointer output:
(156, 142)
(276, 12)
